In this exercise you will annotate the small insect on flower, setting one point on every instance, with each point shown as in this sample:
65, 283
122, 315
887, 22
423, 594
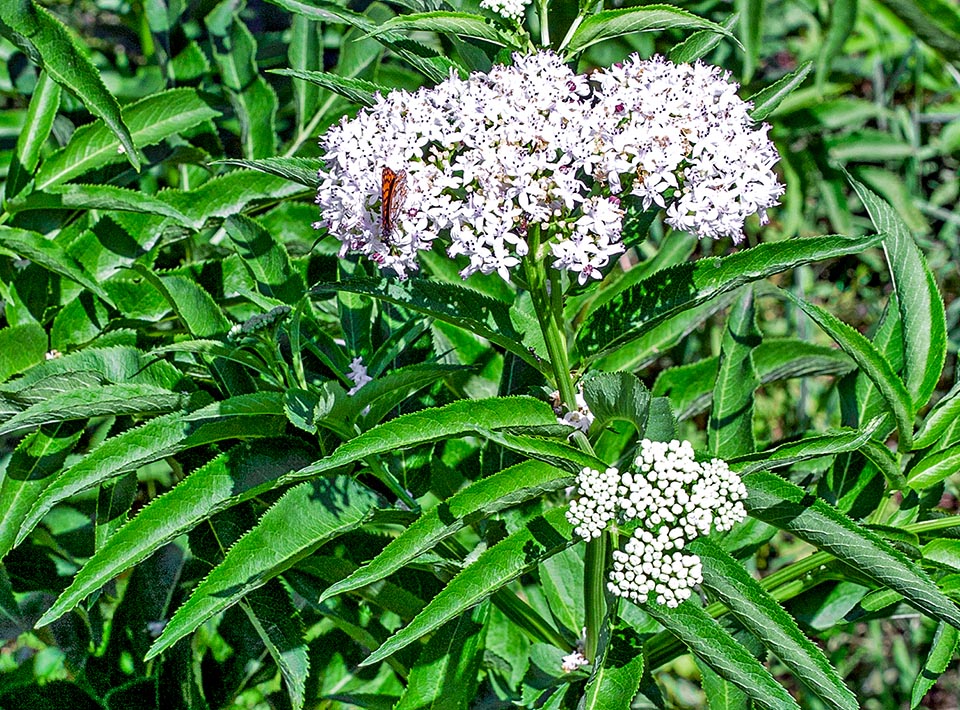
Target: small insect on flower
393, 190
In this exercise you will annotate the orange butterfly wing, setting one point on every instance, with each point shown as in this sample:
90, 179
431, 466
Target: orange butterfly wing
393, 189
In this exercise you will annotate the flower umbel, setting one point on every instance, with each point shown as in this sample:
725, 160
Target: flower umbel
534, 146
673, 499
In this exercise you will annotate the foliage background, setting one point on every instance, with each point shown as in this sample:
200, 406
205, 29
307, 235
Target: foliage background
882, 103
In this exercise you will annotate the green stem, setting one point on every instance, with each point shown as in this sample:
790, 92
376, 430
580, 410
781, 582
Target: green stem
547, 296
544, 23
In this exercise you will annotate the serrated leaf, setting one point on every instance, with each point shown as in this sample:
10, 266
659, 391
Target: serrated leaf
767, 620
243, 417
502, 490
50, 255
302, 171
195, 308
359, 91
266, 259
720, 694
389, 390
150, 120
277, 623
21, 347
789, 507
254, 101
766, 101
462, 307
617, 672
45, 39
730, 429
237, 475
108, 400
943, 551
934, 467
697, 45
614, 23
463, 24
306, 517
495, 568
447, 672
38, 123
871, 363
305, 53
617, 396
95, 197
921, 307
227, 195
636, 310
31, 468
944, 413
946, 639
722, 653
437, 424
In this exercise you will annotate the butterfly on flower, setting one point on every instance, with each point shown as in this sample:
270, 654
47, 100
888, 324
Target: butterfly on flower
393, 190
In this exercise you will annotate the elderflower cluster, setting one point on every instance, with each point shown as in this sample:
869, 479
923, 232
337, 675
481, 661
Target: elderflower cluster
510, 9
534, 155
673, 499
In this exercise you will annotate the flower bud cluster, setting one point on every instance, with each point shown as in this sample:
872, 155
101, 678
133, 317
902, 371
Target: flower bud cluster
358, 375
535, 155
510, 9
674, 499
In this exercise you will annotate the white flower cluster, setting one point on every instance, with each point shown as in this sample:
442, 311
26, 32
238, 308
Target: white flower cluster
674, 499
479, 163
580, 418
510, 9
357, 375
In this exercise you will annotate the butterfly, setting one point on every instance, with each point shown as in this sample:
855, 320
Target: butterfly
393, 190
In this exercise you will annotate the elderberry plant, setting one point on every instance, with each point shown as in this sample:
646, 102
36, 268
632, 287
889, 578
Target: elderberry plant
518, 423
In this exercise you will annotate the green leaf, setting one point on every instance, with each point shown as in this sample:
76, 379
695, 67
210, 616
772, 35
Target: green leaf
244, 417
934, 467
277, 623
921, 307
519, 552
45, 39
150, 119
21, 347
766, 101
751, 32
730, 431
195, 308
721, 695
50, 255
871, 363
614, 23
790, 508
359, 91
478, 501
936, 22
95, 197
299, 170
618, 671
462, 24
722, 653
699, 44
266, 260
107, 400
944, 413
636, 310
843, 18
31, 468
942, 650
305, 53
617, 396
462, 307
437, 424
447, 673
237, 475
254, 101
41, 113
767, 620
227, 195
943, 551
306, 517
